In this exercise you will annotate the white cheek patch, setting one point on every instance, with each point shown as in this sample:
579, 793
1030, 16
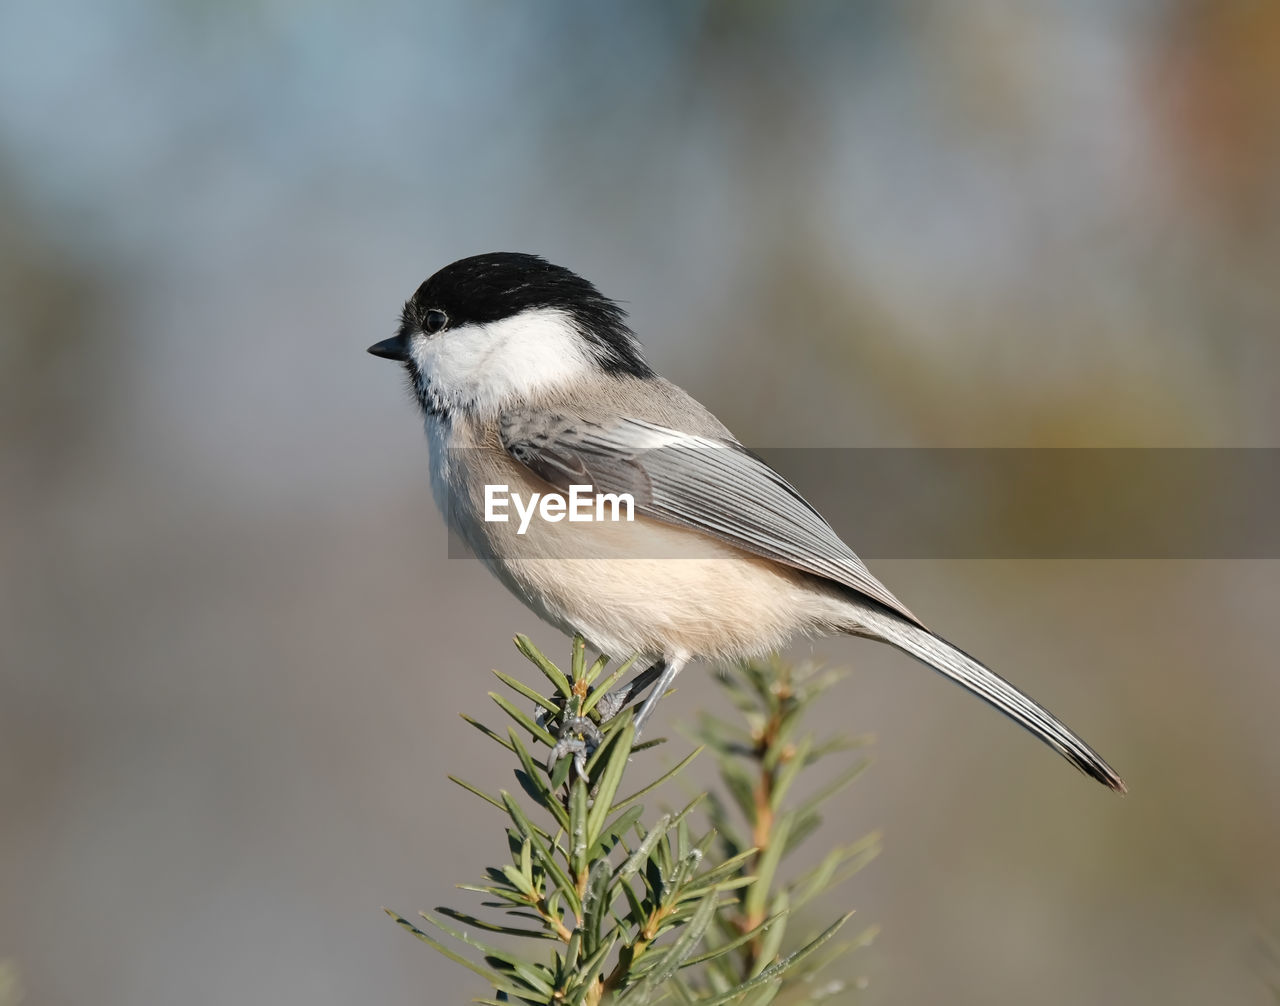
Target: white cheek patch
483, 366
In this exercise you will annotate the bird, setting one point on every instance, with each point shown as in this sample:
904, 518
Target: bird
531, 383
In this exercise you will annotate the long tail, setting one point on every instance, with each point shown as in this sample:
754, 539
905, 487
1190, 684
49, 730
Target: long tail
990, 687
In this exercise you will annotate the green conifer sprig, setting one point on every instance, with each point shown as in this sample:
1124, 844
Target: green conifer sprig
760, 761
601, 904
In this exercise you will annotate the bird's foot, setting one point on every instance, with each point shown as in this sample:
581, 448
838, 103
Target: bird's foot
578, 737
617, 700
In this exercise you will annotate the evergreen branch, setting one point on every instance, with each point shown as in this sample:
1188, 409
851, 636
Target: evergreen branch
604, 908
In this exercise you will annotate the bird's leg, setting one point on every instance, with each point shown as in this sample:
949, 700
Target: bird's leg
579, 736
617, 700
670, 668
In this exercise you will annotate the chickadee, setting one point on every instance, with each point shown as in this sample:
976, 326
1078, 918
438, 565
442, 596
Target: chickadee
529, 378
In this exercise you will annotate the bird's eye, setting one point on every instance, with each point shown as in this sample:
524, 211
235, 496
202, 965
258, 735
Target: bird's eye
436, 321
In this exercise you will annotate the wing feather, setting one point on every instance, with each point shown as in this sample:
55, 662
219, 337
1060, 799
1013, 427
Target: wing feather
709, 484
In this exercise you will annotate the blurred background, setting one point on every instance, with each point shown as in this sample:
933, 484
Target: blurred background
232, 647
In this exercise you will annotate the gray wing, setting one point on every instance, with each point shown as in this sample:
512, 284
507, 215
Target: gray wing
710, 484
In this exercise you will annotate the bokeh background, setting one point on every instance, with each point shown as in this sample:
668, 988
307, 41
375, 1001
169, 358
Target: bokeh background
232, 647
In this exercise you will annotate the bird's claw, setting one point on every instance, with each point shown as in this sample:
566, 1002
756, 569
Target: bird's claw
578, 737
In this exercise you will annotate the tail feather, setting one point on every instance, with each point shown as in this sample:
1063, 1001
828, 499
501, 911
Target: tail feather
993, 689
